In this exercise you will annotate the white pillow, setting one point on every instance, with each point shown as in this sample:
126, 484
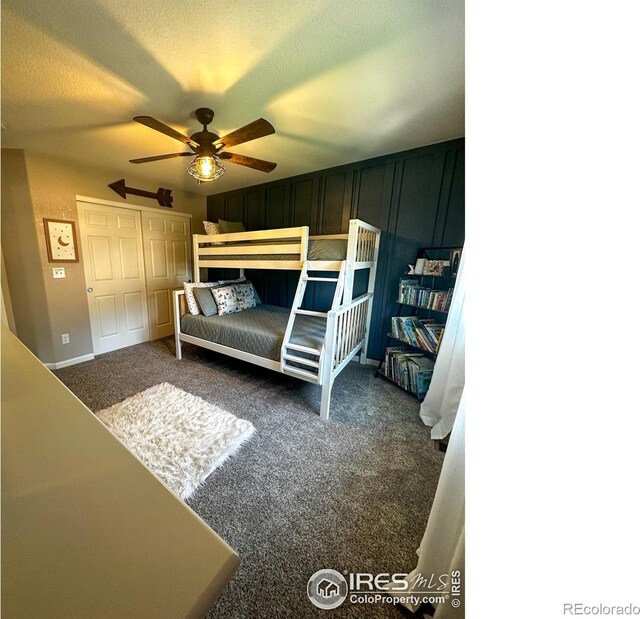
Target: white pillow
192, 304
212, 228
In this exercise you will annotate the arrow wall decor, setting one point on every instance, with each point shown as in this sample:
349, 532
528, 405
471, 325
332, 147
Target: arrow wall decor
163, 196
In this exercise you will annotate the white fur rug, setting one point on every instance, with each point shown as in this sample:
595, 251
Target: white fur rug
179, 436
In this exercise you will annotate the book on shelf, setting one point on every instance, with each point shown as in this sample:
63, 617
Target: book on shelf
422, 372
395, 363
411, 293
418, 332
434, 333
388, 366
407, 290
449, 299
411, 371
410, 333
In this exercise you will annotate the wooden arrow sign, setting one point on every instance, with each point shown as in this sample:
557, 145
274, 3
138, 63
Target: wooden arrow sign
163, 196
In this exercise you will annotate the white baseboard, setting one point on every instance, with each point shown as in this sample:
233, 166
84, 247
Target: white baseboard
68, 362
368, 362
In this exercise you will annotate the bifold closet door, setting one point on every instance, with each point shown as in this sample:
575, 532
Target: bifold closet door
115, 275
167, 254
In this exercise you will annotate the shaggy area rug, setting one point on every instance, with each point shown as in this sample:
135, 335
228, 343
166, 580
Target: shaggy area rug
179, 436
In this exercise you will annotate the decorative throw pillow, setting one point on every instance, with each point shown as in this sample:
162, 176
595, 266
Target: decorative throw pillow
226, 227
192, 304
234, 298
212, 228
255, 294
205, 301
240, 280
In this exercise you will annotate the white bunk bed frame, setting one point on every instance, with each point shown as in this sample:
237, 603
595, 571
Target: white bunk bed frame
348, 319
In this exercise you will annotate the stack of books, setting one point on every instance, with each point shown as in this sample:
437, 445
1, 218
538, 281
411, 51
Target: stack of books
419, 332
411, 371
410, 293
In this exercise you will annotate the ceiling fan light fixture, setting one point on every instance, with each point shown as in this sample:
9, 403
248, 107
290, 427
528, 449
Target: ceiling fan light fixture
206, 146
206, 168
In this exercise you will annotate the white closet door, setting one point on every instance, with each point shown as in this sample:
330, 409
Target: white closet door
167, 253
114, 270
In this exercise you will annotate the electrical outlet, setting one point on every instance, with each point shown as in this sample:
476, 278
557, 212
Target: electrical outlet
65, 338
58, 273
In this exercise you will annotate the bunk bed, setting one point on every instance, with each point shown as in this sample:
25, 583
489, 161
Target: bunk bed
307, 344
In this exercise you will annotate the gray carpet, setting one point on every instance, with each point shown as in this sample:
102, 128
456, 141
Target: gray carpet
351, 494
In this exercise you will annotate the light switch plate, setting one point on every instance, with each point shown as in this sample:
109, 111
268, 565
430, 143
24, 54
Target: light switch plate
58, 273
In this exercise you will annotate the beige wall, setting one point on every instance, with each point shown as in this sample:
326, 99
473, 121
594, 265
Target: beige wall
7, 308
85, 525
35, 186
21, 257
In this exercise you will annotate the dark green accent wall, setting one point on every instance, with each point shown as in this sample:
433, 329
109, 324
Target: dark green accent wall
415, 197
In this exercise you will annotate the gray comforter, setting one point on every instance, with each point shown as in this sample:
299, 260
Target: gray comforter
259, 330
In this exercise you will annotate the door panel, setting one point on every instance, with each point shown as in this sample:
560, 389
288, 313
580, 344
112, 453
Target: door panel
179, 227
130, 258
135, 311
167, 251
97, 220
162, 303
111, 240
127, 222
180, 253
106, 308
155, 224
159, 267
100, 258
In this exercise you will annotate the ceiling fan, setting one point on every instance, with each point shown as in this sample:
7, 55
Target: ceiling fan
209, 148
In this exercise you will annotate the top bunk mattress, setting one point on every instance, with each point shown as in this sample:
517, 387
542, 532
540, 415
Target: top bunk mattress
259, 330
319, 249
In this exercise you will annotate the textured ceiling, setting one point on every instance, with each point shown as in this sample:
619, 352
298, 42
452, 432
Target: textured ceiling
340, 80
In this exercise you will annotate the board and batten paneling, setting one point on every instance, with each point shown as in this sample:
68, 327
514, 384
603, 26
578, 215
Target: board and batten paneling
415, 197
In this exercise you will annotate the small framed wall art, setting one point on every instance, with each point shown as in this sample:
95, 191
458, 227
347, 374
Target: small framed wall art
456, 254
62, 245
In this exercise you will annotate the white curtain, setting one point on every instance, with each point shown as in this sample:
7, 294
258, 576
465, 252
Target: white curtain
441, 402
442, 548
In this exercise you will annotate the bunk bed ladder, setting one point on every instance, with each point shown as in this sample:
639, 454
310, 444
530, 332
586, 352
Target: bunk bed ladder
290, 352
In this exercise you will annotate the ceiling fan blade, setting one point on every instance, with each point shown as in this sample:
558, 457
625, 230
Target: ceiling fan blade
257, 129
249, 162
152, 123
158, 157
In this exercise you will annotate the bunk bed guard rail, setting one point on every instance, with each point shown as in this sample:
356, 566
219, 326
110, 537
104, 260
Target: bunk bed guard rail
346, 334
258, 249
363, 241
251, 249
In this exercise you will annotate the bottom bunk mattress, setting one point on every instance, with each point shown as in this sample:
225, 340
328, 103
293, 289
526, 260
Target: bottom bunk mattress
259, 330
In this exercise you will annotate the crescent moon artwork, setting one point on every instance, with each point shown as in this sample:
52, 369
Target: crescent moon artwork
62, 245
